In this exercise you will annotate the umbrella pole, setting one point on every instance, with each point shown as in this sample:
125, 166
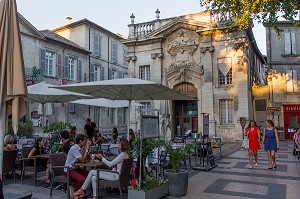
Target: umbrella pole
128, 127
2, 133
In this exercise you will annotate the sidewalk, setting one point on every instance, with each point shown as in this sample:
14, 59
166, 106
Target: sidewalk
230, 180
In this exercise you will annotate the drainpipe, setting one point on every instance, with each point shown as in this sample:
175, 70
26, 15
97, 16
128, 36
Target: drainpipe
212, 80
89, 63
108, 56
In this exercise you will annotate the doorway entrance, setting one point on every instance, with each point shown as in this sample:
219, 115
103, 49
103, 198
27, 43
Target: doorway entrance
186, 112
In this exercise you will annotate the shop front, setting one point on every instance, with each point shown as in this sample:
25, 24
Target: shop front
291, 114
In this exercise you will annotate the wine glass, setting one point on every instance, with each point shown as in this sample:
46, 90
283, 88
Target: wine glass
93, 157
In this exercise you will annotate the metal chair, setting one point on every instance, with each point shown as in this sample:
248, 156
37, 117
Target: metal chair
105, 149
9, 163
123, 178
57, 165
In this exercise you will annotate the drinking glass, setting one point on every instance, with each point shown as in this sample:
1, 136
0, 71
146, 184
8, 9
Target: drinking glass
93, 157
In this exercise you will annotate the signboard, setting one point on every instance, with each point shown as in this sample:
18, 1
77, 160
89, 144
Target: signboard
29, 82
34, 114
149, 126
273, 109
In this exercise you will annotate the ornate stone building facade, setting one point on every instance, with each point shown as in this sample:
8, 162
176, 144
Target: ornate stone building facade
199, 55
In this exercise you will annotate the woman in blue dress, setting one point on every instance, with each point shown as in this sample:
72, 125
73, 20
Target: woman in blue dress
271, 143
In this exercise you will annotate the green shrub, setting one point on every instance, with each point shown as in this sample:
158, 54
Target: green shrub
24, 128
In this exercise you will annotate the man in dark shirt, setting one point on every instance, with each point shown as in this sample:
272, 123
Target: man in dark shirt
88, 130
65, 135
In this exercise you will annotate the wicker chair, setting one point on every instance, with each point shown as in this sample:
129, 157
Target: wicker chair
25, 164
57, 165
9, 163
123, 178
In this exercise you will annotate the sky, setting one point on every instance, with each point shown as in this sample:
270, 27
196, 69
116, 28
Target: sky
113, 15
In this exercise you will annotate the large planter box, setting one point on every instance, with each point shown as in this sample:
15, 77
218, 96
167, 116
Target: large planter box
155, 193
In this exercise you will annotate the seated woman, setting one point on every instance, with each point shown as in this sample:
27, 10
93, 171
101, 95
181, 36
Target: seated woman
97, 138
116, 164
114, 135
39, 149
9, 143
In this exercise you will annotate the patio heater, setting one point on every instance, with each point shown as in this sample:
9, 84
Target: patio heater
243, 123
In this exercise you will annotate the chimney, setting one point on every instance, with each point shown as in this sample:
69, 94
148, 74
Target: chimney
68, 20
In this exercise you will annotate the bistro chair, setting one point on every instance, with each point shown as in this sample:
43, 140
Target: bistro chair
26, 164
57, 165
9, 158
123, 181
105, 149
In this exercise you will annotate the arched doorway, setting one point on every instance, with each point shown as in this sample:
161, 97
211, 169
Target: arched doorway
186, 112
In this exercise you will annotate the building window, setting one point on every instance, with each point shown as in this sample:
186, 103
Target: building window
71, 108
97, 45
50, 63
113, 116
146, 105
226, 111
225, 79
292, 77
145, 72
260, 105
125, 116
124, 57
72, 66
289, 43
96, 68
225, 71
114, 53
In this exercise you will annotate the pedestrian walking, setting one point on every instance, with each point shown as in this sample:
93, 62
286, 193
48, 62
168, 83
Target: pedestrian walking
253, 134
271, 143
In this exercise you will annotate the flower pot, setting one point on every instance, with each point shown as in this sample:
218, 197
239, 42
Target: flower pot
178, 182
155, 193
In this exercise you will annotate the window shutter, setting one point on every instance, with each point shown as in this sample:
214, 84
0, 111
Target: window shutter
289, 80
59, 69
43, 60
66, 67
120, 74
293, 40
287, 43
295, 87
102, 73
96, 45
92, 71
79, 70
110, 74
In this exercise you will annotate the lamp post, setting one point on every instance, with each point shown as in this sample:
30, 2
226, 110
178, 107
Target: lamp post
243, 123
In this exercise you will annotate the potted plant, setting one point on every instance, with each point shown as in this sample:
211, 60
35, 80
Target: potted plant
177, 178
149, 188
54, 130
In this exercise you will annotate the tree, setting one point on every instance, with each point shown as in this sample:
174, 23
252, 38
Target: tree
263, 11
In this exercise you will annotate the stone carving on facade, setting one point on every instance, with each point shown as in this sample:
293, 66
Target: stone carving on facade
182, 76
130, 58
242, 63
181, 46
185, 64
207, 49
157, 55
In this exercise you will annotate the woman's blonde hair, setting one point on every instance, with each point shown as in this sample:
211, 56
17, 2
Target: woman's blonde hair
9, 139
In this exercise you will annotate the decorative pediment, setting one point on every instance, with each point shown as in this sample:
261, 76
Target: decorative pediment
182, 45
191, 65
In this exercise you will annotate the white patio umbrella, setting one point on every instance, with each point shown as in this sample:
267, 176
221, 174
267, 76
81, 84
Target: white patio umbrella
44, 93
126, 89
102, 102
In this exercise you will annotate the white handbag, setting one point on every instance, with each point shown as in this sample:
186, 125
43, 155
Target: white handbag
245, 143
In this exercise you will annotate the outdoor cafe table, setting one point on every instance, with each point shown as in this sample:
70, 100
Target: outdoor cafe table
94, 164
41, 156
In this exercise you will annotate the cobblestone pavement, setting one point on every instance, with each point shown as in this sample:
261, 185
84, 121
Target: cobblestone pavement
230, 180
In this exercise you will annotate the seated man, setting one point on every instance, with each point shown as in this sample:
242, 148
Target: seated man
65, 135
77, 154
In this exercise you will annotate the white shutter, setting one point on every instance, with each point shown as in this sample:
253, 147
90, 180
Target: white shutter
293, 39
295, 87
289, 80
224, 65
287, 43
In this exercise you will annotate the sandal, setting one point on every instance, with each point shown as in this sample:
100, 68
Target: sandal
251, 167
270, 168
78, 194
47, 181
275, 166
92, 198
